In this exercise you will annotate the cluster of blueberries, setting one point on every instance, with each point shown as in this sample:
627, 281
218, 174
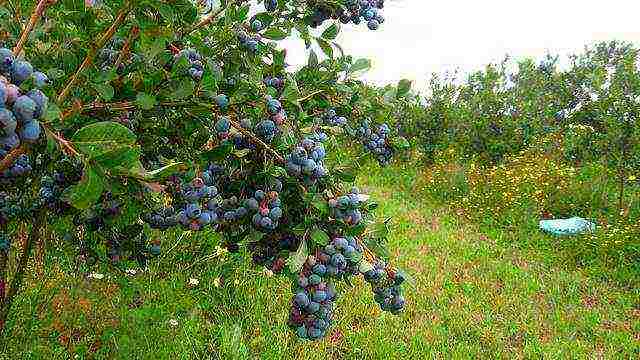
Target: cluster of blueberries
196, 67
347, 207
312, 306
196, 207
52, 187
375, 140
267, 251
274, 81
331, 118
19, 112
5, 242
268, 209
249, 41
306, 162
108, 56
386, 286
355, 12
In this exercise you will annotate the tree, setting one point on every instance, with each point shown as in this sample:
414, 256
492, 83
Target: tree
126, 120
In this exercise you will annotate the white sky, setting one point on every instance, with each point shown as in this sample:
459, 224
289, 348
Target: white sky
420, 37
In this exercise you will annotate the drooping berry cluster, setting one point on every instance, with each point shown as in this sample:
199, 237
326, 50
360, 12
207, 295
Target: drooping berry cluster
19, 112
195, 204
223, 127
108, 56
355, 11
20, 167
196, 68
386, 287
376, 141
330, 118
249, 41
307, 159
268, 209
274, 82
162, 219
340, 258
68, 172
347, 207
97, 218
232, 209
5, 242
311, 312
268, 251
275, 109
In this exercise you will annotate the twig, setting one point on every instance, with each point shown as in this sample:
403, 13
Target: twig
8, 160
307, 97
88, 60
251, 135
127, 46
64, 143
16, 282
35, 16
206, 21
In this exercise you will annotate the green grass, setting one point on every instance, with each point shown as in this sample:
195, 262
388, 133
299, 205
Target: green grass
474, 296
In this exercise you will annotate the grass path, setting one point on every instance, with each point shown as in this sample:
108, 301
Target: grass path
473, 298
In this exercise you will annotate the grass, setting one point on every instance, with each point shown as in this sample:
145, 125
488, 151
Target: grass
475, 296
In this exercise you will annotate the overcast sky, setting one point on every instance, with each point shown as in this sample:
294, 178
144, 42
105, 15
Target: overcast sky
420, 37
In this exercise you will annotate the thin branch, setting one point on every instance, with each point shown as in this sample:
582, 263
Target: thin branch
206, 21
127, 46
64, 143
16, 282
250, 135
11, 157
307, 97
88, 60
35, 16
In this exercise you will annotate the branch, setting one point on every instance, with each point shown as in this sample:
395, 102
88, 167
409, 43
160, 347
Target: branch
16, 282
88, 60
250, 135
307, 97
255, 139
11, 157
64, 143
206, 21
127, 46
35, 16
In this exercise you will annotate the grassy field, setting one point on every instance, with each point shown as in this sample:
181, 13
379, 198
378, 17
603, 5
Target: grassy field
474, 297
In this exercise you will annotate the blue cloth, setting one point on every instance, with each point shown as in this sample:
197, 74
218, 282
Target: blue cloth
572, 226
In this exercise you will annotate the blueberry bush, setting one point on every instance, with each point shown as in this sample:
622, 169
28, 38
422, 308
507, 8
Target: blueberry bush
126, 122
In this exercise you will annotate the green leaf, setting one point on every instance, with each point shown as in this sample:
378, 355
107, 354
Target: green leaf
389, 95
106, 91
326, 47
360, 65
125, 157
87, 191
275, 34
313, 59
96, 139
400, 143
296, 261
218, 153
145, 101
347, 174
331, 32
320, 237
365, 266
404, 86
183, 90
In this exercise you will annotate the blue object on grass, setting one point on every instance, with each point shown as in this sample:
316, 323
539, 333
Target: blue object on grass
571, 226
